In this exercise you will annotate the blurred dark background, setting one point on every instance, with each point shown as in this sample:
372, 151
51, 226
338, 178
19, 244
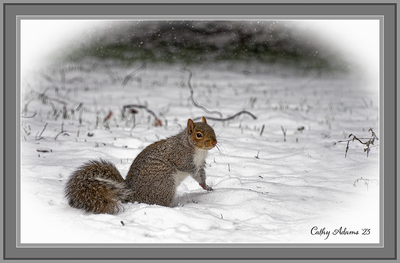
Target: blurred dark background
190, 42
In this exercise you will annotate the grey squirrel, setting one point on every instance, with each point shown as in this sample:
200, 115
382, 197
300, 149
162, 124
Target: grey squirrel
153, 177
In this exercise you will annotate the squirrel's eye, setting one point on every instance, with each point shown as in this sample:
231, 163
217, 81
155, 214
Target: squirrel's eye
199, 135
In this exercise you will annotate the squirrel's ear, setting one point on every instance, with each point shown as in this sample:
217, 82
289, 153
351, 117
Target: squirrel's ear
190, 126
204, 119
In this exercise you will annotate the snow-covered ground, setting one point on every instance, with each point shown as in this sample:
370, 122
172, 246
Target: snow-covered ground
268, 187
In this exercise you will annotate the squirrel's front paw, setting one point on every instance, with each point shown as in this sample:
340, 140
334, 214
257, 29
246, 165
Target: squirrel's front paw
206, 187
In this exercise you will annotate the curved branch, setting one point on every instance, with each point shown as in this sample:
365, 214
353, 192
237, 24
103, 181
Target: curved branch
140, 107
130, 75
191, 97
29, 116
229, 118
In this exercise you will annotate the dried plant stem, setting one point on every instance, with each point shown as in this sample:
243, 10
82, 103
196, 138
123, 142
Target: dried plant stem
61, 132
130, 75
191, 97
262, 129
366, 181
129, 106
228, 118
284, 133
213, 112
40, 135
42, 96
368, 143
29, 116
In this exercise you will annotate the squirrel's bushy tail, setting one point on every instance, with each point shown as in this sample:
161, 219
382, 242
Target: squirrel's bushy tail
97, 187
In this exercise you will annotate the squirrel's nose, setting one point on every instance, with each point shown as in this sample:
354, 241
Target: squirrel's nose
214, 143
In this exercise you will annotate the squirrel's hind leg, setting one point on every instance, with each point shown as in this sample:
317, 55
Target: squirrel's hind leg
153, 186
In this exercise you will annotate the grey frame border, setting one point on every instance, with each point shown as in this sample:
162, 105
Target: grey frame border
12, 251
19, 18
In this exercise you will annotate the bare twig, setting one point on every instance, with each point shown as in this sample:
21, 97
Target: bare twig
284, 133
108, 117
42, 150
43, 97
57, 100
76, 79
354, 139
213, 112
130, 75
262, 129
228, 118
365, 102
61, 132
191, 97
40, 135
47, 77
158, 121
29, 116
366, 181
368, 143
